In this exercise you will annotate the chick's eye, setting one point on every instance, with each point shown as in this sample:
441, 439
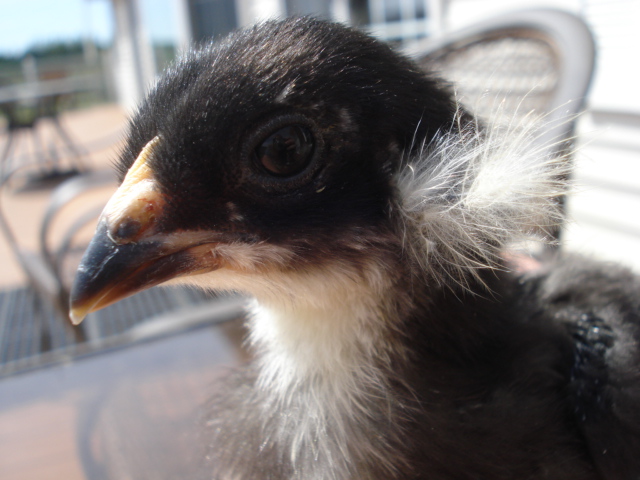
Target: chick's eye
286, 151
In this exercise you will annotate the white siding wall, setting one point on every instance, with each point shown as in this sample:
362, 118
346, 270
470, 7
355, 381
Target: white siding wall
134, 68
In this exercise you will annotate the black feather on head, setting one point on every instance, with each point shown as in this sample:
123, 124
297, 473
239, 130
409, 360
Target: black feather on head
362, 104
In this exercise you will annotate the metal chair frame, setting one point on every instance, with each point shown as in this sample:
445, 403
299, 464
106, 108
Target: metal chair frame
566, 34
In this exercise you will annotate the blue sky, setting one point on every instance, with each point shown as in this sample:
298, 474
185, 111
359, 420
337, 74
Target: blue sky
24, 23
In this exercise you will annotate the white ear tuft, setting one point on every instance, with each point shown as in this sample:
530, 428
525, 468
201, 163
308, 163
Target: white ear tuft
471, 192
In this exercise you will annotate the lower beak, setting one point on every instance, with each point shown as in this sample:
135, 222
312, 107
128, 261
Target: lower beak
110, 272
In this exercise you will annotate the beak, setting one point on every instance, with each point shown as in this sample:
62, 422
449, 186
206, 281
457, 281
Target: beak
127, 254
110, 272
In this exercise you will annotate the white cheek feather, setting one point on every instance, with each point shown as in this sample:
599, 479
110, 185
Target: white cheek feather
306, 322
470, 193
318, 334
312, 319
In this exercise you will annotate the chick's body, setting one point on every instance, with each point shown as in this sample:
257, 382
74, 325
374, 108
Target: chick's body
309, 166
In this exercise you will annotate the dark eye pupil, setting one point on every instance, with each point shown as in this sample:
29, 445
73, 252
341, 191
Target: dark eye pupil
286, 151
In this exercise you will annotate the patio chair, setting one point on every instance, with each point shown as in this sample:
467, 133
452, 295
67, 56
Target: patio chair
530, 67
27, 108
44, 267
532, 63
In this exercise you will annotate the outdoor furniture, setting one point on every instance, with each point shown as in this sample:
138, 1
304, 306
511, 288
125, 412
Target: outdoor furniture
44, 267
132, 412
25, 106
530, 68
534, 64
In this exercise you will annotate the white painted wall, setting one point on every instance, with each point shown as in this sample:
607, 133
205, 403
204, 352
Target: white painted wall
251, 11
134, 67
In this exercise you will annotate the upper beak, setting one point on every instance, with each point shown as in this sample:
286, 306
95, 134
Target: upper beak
110, 272
127, 253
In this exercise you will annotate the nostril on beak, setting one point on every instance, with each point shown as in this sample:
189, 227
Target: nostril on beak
135, 206
126, 231
132, 223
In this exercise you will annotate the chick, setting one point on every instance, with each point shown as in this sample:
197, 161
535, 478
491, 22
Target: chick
311, 167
